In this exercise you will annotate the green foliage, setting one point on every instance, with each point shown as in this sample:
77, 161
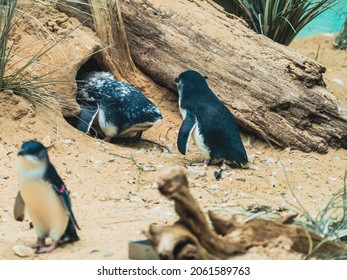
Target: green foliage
15, 69
340, 41
17, 79
7, 11
331, 221
279, 20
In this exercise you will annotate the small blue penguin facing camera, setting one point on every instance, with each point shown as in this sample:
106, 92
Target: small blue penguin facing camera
208, 121
114, 108
46, 197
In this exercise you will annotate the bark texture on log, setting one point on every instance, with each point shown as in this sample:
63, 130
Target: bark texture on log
272, 90
104, 17
192, 238
109, 27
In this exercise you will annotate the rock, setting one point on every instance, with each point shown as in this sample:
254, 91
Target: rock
23, 251
133, 197
269, 161
145, 167
338, 81
47, 142
214, 188
108, 254
3, 176
194, 172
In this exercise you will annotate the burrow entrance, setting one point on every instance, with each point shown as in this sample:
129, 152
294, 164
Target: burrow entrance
81, 122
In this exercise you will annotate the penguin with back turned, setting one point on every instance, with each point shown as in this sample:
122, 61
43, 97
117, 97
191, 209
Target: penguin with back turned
207, 119
46, 198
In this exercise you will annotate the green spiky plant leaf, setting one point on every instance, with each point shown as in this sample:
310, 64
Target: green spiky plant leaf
7, 11
340, 41
15, 69
279, 20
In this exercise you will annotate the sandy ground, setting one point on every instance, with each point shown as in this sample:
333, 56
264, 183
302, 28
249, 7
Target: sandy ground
113, 187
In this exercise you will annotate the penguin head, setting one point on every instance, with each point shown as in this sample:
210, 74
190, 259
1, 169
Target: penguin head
33, 154
190, 79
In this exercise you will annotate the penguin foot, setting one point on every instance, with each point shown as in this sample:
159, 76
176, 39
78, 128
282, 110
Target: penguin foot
39, 244
218, 174
50, 248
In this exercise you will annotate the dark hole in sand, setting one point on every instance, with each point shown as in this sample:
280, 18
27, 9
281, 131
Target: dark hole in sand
87, 109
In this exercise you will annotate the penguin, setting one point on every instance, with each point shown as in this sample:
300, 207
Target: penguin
208, 121
85, 121
43, 193
122, 108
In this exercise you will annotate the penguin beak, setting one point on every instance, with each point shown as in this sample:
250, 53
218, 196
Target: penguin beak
21, 152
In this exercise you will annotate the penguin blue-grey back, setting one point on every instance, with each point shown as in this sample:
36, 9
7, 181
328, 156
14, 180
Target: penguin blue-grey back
46, 197
208, 120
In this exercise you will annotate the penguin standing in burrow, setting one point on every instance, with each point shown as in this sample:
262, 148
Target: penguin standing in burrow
208, 120
121, 109
46, 198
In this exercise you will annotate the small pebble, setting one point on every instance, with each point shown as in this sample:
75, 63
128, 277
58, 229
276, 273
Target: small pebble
23, 251
337, 81
145, 167
108, 254
214, 187
241, 179
195, 172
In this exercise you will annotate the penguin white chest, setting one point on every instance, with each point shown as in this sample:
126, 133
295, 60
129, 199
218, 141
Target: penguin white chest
199, 142
108, 128
45, 208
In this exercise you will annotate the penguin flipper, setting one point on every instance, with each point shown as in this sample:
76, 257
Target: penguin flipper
86, 117
61, 190
19, 207
188, 125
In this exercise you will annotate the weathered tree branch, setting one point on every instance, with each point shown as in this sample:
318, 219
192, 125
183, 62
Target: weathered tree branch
191, 236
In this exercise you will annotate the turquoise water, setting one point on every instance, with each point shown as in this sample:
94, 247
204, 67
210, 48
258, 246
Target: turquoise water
328, 22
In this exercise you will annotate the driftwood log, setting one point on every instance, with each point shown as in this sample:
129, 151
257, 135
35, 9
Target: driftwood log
272, 90
191, 237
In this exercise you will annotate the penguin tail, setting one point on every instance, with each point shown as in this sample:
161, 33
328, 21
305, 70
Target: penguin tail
70, 234
243, 164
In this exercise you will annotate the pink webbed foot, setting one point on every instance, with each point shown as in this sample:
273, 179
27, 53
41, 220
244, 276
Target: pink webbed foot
50, 248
